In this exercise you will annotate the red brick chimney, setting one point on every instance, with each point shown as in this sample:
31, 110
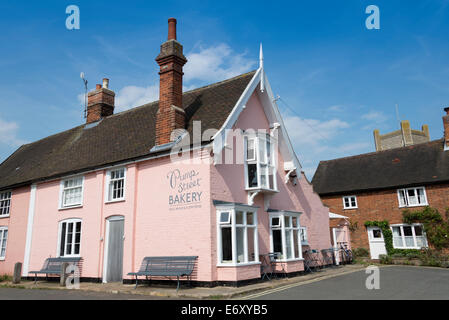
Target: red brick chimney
446, 129
100, 102
171, 115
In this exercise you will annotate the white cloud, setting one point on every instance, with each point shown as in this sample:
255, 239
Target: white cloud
375, 116
304, 132
336, 108
216, 63
133, 96
8, 134
315, 140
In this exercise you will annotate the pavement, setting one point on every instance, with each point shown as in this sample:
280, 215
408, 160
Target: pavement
396, 283
117, 291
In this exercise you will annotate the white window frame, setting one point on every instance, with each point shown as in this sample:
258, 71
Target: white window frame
108, 185
270, 163
2, 240
406, 199
350, 203
232, 213
371, 234
8, 193
283, 228
74, 221
62, 192
303, 231
413, 225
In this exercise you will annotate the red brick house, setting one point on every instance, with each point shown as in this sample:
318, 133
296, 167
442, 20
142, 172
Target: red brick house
381, 185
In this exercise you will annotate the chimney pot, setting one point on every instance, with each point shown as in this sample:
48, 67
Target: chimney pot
98, 87
106, 83
172, 29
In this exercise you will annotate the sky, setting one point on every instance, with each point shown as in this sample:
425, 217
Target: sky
337, 80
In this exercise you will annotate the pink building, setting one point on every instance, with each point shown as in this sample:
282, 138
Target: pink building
228, 188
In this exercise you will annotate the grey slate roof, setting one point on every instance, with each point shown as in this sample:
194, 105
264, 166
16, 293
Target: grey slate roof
421, 164
121, 137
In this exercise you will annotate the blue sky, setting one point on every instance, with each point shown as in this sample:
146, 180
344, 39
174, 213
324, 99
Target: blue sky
341, 80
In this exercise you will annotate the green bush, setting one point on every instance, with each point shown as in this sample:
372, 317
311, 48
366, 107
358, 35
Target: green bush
5, 277
407, 253
385, 259
360, 252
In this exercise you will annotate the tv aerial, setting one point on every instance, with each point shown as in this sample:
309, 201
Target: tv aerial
83, 77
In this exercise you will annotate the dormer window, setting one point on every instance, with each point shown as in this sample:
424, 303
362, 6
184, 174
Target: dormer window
260, 168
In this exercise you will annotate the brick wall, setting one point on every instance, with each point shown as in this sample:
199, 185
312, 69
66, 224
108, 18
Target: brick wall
382, 205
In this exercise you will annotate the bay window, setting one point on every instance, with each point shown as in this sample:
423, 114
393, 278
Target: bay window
412, 197
70, 238
5, 203
3, 241
72, 192
303, 233
286, 235
237, 235
409, 236
260, 167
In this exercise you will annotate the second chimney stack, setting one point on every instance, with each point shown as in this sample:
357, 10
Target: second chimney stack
170, 115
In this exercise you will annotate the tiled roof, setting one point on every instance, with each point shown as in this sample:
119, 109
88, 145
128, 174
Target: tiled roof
420, 164
124, 136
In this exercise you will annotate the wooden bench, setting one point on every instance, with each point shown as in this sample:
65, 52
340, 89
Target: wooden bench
53, 266
166, 267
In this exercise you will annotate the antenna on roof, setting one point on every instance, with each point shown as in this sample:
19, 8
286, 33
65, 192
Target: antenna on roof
82, 76
397, 113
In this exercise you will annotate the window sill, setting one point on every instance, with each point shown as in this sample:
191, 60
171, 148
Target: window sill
4, 217
415, 205
115, 201
71, 207
234, 265
2, 259
409, 248
351, 208
288, 260
263, 190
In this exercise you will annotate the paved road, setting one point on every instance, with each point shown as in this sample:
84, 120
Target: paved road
395, 283
404, 283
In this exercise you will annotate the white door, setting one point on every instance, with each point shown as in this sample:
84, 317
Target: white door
339, 237
376, 242
113, 256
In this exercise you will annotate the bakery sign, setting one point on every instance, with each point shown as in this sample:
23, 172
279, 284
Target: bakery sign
185, 190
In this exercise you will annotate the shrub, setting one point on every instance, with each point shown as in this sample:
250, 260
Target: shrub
360, 252
385, 259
